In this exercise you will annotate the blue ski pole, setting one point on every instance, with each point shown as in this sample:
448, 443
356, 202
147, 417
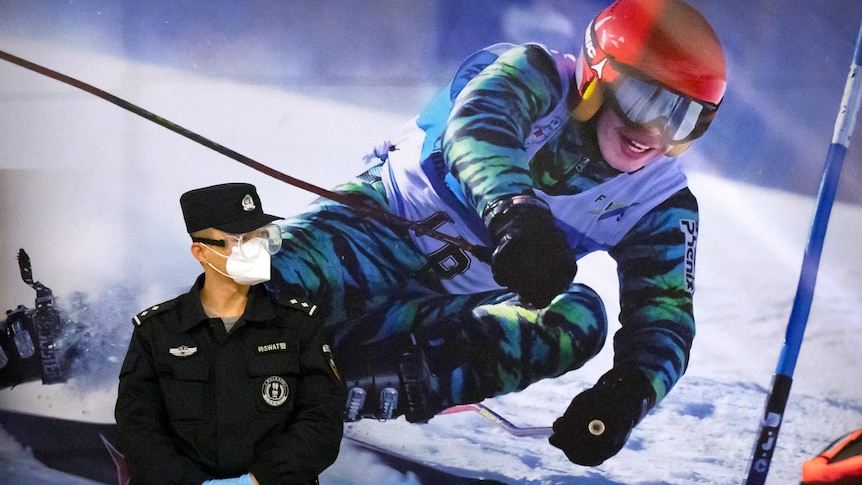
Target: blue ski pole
761, 456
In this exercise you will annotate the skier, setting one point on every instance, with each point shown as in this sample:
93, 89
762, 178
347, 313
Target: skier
542, 157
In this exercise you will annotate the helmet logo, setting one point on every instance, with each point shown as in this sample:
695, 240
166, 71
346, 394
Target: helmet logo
588, 42
248, 203
600, 67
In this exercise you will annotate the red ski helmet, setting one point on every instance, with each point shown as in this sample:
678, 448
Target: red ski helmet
657, 61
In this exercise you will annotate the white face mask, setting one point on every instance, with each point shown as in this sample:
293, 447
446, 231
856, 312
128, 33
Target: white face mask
246, 271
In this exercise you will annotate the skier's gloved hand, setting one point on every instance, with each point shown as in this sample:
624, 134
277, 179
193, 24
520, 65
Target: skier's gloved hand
599, 420
243, 480
531, 257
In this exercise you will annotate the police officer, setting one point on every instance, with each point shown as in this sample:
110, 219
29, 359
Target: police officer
223, 384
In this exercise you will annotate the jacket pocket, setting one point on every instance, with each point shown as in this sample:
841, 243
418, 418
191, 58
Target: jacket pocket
273, 379
185, 383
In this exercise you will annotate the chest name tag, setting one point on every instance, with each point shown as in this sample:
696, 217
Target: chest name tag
262, 349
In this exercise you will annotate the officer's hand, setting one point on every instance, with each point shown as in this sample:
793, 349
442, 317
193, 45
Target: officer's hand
598, 422
531, 255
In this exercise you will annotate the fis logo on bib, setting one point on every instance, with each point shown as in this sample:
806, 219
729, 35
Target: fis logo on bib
613, 210
689, 229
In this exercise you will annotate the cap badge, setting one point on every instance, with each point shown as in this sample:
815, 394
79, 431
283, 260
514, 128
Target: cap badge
248, 203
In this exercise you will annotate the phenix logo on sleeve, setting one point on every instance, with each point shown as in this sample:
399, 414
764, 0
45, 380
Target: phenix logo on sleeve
689, 229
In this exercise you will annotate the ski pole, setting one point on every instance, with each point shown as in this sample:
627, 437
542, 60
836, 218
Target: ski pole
764, 446
482, 253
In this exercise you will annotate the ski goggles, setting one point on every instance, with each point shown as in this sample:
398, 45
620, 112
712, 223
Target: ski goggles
681, 118
250, 244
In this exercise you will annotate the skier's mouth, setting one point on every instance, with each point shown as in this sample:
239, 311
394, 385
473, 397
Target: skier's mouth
637, 147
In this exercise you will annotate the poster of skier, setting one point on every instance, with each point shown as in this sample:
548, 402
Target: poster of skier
480, 324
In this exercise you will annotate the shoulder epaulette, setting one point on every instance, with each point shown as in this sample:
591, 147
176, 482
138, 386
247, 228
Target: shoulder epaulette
300, 305
140, 318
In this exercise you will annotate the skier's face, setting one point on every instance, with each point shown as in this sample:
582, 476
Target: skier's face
626, 146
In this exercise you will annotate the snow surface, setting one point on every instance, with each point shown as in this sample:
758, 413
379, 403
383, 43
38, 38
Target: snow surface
61, 165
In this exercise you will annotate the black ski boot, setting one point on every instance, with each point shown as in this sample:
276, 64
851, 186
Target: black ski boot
386, 380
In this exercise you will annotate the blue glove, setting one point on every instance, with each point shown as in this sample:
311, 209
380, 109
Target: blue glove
531, 257
599, 420
243, 480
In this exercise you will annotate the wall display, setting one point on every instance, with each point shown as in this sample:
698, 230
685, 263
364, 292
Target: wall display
91, 232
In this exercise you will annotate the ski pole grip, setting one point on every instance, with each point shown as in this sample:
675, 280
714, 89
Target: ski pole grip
596, 427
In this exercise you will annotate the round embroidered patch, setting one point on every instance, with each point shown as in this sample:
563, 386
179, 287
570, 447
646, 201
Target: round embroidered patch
274, 391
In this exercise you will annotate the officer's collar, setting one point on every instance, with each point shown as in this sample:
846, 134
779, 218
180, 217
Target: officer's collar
258, 308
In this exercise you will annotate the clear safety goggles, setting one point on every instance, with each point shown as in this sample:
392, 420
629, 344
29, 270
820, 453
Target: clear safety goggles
681, 118
250, 244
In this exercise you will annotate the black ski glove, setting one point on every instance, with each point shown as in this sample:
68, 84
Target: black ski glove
599, 420
531, 257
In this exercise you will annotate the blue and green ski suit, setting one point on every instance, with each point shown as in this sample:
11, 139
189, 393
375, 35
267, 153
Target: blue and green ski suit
501, 127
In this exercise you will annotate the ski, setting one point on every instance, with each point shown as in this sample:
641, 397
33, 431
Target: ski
501, 422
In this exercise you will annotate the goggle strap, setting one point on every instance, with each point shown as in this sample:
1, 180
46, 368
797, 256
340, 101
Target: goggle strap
212, 242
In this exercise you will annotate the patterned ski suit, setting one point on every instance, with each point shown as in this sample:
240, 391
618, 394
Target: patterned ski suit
496, 131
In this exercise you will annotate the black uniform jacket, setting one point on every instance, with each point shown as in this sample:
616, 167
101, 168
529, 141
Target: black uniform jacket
196, 403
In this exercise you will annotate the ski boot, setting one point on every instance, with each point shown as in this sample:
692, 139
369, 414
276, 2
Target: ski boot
385, 381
